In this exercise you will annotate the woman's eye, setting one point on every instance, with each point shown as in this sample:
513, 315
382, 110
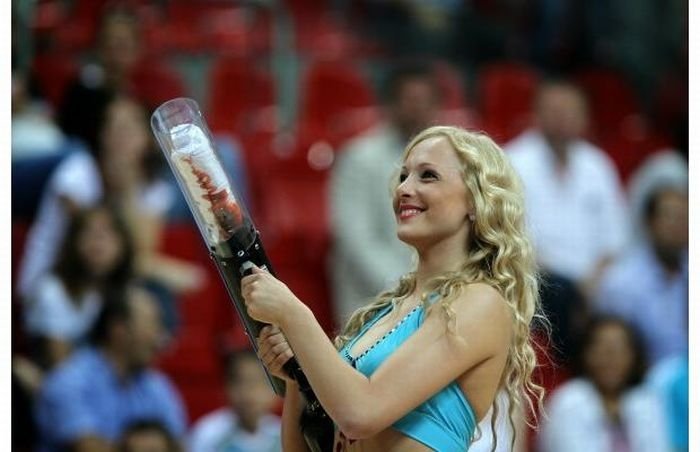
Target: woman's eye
427, 174
402, 177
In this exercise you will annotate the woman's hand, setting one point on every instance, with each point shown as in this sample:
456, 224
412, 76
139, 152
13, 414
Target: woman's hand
274, 351
267, 299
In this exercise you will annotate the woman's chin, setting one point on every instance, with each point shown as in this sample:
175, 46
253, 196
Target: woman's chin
408, 237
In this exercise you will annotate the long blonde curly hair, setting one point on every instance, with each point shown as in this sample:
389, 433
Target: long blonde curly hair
499, 253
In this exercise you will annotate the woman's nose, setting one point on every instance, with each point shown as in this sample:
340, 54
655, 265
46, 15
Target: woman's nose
405, 188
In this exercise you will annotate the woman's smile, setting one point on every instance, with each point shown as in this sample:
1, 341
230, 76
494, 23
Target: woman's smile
408, 211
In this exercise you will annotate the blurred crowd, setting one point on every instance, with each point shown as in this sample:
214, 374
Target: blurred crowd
123, 335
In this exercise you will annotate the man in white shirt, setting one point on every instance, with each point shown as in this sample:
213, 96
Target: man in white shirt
648, 285
247, 425
367, 255
575, 203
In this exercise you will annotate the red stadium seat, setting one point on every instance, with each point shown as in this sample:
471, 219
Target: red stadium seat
506, 92
193, 359
237, 91
154, 82
294, 224
611, 100
54, 73
192, 351
451, 84
293, 201
184, 19
322, 36
454, 109
671, 100
337, 102
48, 16
633, 143
201, 395
215, 25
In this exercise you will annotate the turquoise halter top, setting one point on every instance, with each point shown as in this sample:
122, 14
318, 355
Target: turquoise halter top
445, 422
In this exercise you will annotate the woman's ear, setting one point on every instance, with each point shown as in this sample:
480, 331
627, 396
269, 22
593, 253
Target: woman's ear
471, 211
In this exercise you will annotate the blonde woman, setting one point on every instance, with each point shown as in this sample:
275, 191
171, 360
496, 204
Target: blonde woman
420, 366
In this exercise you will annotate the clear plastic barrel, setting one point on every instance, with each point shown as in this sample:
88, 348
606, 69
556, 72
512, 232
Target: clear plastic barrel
184, 138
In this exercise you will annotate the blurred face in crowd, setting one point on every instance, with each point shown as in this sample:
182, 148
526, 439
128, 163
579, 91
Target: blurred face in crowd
146, 441
415, 105
119, 44
99, 244
668, 224
609, 357
19, 92
125, 135
248, 390
561, 114
145, 331
431, 201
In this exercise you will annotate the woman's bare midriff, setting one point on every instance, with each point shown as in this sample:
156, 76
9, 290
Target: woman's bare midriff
389, 440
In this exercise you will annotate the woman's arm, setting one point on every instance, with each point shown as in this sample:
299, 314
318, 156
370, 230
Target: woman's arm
274, 352
428, 361
146, 230
57, 350
292, 438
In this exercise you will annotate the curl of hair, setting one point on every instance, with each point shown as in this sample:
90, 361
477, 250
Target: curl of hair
499, 253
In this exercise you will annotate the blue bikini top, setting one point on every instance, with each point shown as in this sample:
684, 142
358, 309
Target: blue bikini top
445, 422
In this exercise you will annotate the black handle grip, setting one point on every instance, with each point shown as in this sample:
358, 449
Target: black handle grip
316, 426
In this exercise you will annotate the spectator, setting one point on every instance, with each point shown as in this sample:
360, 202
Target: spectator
88, 402
573, 194
649, 284
246, 425
123, 173
606, 409
567, 313
667, 167
37, 146
63, 305
118, 50
129, 166
122, 68
367, 255
33, 132
670, 379
148, 436
23, 429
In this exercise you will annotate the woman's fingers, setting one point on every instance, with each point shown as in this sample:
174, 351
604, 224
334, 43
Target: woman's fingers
273, 348
248, 283
269, 353
282, 358
268, 331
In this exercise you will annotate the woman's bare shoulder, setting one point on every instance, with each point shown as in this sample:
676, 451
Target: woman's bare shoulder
480, 304
482, 296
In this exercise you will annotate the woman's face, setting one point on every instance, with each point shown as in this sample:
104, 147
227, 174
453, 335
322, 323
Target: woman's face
125, 135
431, 201
248, 390
99, 244
119, 46
609, 357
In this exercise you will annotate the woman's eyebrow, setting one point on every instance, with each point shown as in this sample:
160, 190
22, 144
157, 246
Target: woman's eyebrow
421, 165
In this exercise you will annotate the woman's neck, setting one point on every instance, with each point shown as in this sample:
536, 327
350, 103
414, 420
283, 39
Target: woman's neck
436, 260
611, 403
118, 362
